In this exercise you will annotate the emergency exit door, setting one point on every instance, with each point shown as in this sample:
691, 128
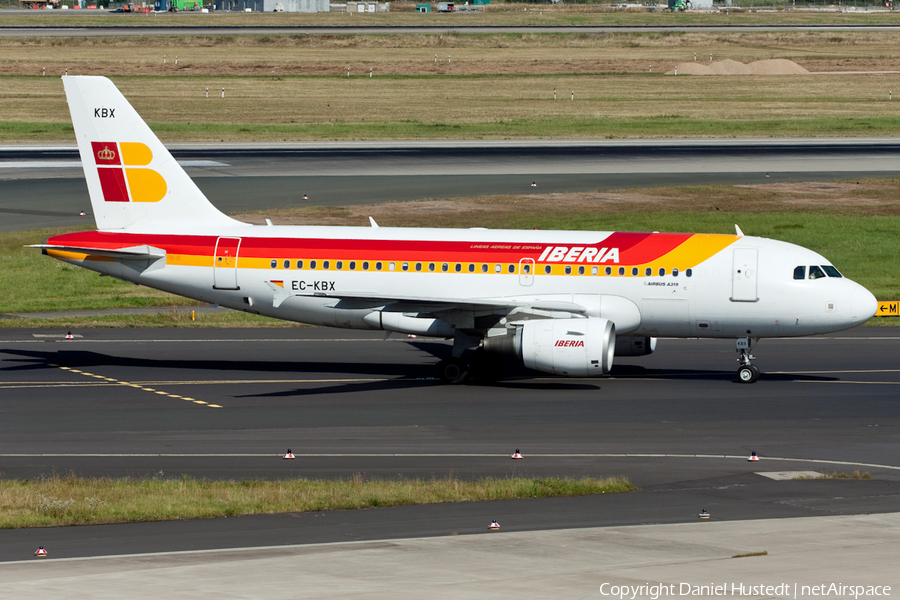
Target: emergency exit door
744, 275
526, 271
225, 263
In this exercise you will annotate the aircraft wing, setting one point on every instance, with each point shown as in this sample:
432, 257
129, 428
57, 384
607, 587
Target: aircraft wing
430, 304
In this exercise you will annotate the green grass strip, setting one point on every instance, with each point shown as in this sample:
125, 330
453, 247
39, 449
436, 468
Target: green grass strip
56, 501
557, 127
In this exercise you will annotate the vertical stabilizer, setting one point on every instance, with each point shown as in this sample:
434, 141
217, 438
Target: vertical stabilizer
132, 179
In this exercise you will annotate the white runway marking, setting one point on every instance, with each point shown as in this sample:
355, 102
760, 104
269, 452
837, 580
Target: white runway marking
762, 459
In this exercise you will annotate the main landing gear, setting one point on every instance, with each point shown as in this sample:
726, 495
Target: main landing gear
746, 373
453, 370
469, 361
457, 368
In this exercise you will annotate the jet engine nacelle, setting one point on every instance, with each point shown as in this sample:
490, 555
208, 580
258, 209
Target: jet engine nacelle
570, 347
635, 345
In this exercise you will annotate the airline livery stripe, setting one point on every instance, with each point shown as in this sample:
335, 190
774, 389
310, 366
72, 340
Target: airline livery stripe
693, 251
623, 249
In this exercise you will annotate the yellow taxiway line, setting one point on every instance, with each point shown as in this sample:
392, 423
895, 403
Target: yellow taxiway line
111, 381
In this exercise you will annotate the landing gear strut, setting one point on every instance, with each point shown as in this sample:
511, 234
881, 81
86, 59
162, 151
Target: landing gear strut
746, 373
456, 369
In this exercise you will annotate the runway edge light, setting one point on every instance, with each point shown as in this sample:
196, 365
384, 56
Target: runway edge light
494, 526
40, 552
753, 457
516, 455
289, 455
69, 336
703, 514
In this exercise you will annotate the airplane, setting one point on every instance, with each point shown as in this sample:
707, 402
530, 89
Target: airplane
562, 302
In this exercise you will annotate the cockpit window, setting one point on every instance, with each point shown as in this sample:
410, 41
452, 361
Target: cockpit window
800, 272
831, 271
816, 272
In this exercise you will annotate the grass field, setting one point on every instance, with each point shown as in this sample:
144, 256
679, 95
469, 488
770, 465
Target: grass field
59, 501
289, 87
261, 109
855, 224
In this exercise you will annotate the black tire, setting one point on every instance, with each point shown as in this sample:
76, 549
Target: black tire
453, 371
748, 374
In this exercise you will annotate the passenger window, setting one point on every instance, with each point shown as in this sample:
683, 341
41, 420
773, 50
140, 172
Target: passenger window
299, 264
568, 270
378, 266
662, 272
471, 268
392, 266
405, 266
512, 268
674, 272
608, 271
352, 265
339, 265
800, 272
648, 271
815, 272
526, 269
457, 268
498, 268
594, 270
325, 264
287, 264
445, 267
831, 271
547, 269
274, 264
581, 270
365, 265
484, 268
418, 266
431, 267
312, 264
621, 271
634, 271
688, 273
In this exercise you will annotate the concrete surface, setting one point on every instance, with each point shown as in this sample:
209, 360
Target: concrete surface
859, 550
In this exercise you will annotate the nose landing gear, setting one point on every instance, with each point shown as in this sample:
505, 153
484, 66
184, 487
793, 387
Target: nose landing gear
746, 373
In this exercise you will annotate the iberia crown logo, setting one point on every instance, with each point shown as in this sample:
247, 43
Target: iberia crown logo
128, 179
106, 154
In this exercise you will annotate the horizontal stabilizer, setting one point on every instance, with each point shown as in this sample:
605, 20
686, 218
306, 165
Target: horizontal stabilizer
131, 253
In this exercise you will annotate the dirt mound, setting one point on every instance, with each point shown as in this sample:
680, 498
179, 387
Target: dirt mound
729, 67
776, 66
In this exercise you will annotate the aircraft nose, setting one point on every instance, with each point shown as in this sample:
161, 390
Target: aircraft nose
863, 305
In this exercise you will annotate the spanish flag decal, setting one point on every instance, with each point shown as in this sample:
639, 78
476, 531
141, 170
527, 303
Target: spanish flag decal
124, 176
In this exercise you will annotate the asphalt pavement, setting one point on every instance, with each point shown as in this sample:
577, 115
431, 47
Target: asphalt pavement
228, 403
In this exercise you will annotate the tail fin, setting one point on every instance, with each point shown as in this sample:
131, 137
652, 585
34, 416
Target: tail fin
132, 179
